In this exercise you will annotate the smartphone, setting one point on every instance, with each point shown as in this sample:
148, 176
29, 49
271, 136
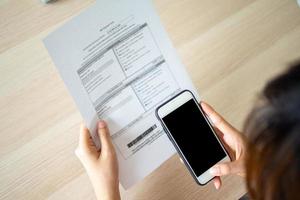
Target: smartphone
194, 138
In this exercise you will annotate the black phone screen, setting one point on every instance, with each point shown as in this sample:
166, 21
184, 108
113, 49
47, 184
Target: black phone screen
194, 137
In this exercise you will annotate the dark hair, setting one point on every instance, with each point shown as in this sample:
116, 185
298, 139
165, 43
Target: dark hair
273, 148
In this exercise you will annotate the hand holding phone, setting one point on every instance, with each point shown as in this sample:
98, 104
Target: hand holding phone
192, 135
234, 142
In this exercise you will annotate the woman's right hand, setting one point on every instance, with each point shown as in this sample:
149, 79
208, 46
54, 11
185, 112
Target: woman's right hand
233, 141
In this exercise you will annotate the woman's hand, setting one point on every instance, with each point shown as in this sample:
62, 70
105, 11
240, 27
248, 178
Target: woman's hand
233, 141
101, 166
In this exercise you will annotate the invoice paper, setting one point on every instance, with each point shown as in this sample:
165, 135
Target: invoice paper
119, 65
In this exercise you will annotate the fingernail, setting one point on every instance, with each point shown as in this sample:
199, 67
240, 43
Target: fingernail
214, 170
213, 119
181, 160
77, 152
101, 124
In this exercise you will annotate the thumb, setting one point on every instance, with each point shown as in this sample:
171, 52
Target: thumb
225, 168
104, 135
84, 140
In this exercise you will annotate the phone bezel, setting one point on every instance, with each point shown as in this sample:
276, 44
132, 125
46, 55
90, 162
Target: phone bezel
205, 177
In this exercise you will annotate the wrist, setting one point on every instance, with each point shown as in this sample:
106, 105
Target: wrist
112, 194
106, 190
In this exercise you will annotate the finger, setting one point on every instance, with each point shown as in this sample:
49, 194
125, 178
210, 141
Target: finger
219, 133
105, 139
226, 168
218, 120
217, 182
84, 138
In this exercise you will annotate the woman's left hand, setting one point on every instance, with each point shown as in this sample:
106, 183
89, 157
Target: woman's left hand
101, 166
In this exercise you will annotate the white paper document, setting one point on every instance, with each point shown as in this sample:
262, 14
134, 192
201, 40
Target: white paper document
119, 65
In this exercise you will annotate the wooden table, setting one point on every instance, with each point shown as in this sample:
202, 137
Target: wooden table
230, 49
